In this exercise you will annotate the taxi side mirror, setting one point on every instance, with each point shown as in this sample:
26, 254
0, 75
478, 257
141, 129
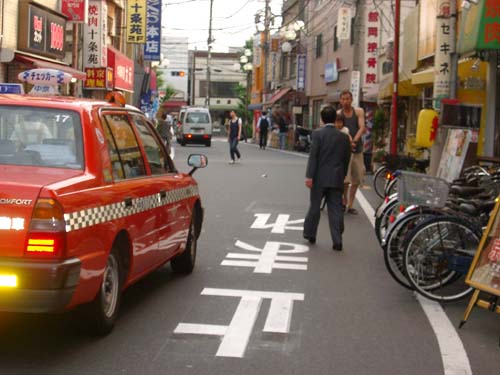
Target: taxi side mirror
197, 161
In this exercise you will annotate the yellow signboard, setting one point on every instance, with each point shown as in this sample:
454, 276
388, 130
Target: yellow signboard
484, 273
136, 21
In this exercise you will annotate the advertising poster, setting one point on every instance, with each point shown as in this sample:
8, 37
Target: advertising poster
484, 273
453, 156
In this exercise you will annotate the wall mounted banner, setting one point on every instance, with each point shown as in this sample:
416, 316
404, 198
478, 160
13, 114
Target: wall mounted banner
94, 35
136, 21
153, 31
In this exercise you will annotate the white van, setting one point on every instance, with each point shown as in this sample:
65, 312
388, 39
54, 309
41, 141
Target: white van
195, 127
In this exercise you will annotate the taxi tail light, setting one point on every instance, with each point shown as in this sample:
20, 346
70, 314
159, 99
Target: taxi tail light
206, 136
47, 234
189, 136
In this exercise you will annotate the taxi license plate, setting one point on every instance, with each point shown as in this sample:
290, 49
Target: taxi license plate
8, 281
198, 130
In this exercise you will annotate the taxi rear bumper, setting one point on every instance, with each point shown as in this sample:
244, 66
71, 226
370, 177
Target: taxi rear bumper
41, 286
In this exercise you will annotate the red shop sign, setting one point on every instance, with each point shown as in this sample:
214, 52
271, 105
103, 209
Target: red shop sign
75, 10
123, 69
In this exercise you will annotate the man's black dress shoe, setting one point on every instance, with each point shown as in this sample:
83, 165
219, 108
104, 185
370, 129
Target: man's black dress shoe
312, 240
337, 247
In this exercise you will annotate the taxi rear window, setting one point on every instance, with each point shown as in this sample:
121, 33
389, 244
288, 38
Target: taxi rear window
40, 137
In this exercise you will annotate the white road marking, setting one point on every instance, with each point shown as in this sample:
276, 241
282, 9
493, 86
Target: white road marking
281, 225
269, 257
453, 354
237, 334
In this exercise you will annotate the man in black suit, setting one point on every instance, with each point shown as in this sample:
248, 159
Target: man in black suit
326, 169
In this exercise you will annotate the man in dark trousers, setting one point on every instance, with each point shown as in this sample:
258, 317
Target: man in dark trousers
326, 169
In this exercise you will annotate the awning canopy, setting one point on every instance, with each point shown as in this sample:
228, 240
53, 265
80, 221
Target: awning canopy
49, 64
405, 88
277, 96
171, 104
424, 77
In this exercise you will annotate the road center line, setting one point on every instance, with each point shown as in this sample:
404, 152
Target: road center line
453, 354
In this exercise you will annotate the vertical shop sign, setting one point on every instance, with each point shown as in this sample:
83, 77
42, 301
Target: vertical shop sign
442, 61
344, 24
75, 10
136, 21
372, 40
301, 72
94, 35
355, 85
256, 51
153, 31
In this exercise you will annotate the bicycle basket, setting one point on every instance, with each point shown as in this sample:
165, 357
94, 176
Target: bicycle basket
421, 189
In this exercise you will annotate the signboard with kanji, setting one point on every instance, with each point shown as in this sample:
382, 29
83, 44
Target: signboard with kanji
344, 23
301, 72
136, 21
94, 35
153, 31
372, 41
99, 79
442, 59
42, 31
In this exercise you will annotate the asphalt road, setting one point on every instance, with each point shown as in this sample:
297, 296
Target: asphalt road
261, 299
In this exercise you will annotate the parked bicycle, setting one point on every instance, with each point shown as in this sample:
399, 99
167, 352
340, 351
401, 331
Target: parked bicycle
428, 246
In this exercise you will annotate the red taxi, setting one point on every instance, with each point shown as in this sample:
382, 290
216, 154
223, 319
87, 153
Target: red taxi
90, 202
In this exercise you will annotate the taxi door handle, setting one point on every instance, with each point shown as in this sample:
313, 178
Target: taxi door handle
128, 202
163, 194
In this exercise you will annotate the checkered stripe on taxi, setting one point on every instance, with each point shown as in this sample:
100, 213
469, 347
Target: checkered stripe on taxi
102, 214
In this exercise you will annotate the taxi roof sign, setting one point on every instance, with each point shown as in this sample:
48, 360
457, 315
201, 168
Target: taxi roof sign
45, 81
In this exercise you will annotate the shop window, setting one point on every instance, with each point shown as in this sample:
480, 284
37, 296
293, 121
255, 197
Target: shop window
319, 45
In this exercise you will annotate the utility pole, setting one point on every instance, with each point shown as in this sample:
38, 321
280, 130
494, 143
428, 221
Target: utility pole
267, 22
209, 56
395, 80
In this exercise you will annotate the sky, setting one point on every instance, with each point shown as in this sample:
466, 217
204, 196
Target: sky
233, 21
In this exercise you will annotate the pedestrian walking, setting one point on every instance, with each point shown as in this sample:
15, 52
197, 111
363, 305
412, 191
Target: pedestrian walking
164, 128
283, 130
326, 170
234, 136
339, 124
263, 125
354, 120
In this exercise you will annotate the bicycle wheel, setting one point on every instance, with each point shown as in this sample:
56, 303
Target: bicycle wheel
437, 256
393, 242
391, 186
382, 221
379, 179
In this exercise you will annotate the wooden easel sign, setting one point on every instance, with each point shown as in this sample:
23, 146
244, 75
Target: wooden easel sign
484, 273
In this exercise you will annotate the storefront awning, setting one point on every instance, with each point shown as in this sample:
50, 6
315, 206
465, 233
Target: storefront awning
405, 88
37, 62
171, 104
423, 77
277, 96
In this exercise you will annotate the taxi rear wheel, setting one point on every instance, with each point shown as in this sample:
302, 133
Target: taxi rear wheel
184, 262
104, 308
